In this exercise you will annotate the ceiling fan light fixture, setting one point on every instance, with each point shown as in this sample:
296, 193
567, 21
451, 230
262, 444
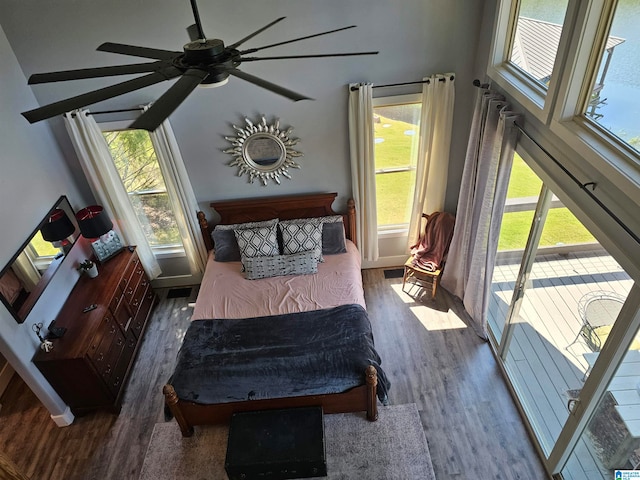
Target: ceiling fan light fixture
214, 84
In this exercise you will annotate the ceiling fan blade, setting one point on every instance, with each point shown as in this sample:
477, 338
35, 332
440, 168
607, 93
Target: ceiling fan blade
170, 100
250, 36
96, 96
134, 51
320, 55
192, 31
65, 75
199, 32
266, 84
252, 50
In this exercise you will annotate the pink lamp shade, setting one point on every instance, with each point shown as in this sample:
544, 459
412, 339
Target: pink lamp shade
57, 227
93, 221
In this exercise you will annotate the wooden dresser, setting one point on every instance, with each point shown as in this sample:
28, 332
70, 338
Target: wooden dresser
90, 364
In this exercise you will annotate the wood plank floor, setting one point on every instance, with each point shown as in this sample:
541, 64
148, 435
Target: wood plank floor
433, 359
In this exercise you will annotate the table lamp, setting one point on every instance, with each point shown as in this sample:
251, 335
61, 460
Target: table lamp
96, 226
57, 229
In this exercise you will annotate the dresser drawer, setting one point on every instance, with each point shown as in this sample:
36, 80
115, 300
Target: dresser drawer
138, 296
122, 316
108, 370
123, 363
134, 279
148, 297
102, 341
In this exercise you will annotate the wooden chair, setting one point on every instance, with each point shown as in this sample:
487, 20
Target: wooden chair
421, 277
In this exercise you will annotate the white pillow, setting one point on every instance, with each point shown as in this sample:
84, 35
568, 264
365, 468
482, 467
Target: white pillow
303, 263
257, 242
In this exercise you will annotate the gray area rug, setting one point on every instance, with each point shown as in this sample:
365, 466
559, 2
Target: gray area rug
392, 448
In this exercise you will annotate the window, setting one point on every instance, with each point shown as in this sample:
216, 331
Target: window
614, 102
397, 132
535, 40
136, 162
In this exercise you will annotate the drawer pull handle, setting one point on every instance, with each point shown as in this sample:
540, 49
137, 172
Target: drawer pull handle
100, 357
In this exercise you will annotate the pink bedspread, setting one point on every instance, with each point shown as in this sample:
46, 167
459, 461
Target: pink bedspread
225, 293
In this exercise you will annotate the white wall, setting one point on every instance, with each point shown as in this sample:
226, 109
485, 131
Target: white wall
34, 175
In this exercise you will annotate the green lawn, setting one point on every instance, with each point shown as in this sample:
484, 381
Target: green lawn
395, 191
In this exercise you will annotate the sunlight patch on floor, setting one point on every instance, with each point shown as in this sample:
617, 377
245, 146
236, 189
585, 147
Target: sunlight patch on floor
434, 320
402, 295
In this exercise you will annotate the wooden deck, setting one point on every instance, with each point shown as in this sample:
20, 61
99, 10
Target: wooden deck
542, 361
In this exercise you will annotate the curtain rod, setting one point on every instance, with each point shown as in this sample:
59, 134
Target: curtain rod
588, 187
136, 109
452, 77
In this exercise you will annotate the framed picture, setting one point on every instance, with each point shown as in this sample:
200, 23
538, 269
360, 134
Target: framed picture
107, 246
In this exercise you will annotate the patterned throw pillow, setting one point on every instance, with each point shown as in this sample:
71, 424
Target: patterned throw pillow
303, 263
300, 237
225, 243
333, 239
257, 242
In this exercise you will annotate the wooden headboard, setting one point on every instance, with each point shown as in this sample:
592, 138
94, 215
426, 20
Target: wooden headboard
285, 208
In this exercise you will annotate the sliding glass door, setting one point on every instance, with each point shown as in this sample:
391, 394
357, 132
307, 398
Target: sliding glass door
557, 296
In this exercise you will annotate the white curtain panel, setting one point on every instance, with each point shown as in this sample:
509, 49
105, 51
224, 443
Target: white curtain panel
483, 192
363, 168
97, 164
438, 97
181, 195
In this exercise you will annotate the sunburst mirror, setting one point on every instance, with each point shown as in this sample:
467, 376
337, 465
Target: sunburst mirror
263, 151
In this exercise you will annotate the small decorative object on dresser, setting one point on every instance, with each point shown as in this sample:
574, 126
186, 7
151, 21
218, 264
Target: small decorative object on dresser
88, 267
45, 345
104, 319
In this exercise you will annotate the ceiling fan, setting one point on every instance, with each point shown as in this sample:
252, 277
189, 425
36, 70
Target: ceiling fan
203, 61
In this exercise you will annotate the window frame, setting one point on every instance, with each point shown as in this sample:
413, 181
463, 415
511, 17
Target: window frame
159, 251
610, 155
398, 229
514, 81
584, 35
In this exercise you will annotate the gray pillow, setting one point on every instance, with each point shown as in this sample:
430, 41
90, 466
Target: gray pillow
303, 263
333, 239
225, 243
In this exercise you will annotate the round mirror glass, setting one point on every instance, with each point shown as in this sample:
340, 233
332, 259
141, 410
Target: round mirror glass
264, 150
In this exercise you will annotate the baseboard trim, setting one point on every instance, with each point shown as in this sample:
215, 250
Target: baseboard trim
385, 262
65, 419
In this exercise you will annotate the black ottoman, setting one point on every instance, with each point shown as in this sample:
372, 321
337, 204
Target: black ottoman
276, 444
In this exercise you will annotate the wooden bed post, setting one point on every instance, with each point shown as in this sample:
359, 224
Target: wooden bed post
171, 399
372, 384
351, 220
204, 228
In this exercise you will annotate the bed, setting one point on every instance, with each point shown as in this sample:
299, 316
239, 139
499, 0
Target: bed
279, 342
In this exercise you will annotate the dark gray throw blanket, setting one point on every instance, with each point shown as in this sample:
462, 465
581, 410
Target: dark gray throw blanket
307, 353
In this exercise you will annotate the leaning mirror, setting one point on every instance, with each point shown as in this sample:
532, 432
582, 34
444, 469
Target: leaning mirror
25, 277
263, 151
